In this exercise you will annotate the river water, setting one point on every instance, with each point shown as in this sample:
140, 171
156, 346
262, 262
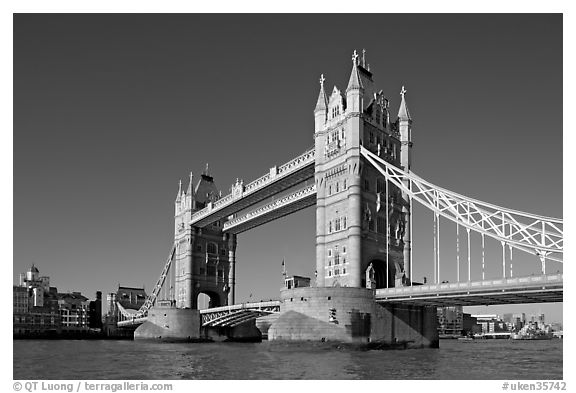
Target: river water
106, 359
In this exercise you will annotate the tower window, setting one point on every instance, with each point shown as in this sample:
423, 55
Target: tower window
330, 226
337, 187
371, 137
366, 185
211, 248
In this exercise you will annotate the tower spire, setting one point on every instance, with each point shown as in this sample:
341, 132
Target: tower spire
403, 112
179, 196
322, 103
190, 186
354, 82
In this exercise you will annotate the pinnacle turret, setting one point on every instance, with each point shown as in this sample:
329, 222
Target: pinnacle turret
403, 112
355, 82
179, 196
322, 103
190, 186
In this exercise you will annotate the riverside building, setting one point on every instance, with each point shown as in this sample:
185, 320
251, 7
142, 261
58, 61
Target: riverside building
40, 311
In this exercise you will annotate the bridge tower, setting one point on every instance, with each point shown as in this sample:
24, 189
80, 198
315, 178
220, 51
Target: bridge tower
204, 257
362, 239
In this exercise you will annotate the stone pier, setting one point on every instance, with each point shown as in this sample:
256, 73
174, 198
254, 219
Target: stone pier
351, 315
170, 324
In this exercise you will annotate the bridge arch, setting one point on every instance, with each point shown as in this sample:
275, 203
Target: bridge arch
208, 299
379, 267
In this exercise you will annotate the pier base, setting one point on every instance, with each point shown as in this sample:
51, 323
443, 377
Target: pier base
170, 324
351, 315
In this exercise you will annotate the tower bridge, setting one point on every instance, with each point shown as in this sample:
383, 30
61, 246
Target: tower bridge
359, 178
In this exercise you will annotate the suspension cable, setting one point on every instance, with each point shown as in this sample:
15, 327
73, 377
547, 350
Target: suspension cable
457, 252
435, 262
387, 236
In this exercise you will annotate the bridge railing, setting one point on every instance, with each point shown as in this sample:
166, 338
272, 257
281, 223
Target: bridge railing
472, 285
283, 170
235, 307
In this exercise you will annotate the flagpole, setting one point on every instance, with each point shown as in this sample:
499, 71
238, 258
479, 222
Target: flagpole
284, 271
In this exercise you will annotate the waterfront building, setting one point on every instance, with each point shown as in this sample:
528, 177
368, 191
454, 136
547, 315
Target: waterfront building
491, 323
131, 298
450, 320
470, 324
39, 310
95, 312
73, 308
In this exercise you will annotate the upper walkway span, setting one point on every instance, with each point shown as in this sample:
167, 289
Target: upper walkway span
243, 196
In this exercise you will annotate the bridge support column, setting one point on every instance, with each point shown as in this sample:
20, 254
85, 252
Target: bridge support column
232, 242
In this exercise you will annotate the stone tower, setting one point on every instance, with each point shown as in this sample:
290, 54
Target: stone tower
361, 223
204, 258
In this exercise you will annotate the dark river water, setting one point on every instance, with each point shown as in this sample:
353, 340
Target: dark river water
480, 359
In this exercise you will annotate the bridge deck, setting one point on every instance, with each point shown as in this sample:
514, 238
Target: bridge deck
532, 289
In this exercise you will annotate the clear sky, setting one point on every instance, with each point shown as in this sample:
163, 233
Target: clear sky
110, 111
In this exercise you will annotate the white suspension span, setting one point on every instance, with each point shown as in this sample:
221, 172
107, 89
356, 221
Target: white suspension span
151, 299
538, 235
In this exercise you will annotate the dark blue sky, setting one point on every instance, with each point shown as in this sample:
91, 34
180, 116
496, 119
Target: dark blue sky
110, 111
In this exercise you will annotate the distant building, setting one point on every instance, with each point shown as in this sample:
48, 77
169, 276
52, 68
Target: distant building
131, 299
73, 309
491, 323
95, 312
450, 321
518, 322
470, 325
39, 310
